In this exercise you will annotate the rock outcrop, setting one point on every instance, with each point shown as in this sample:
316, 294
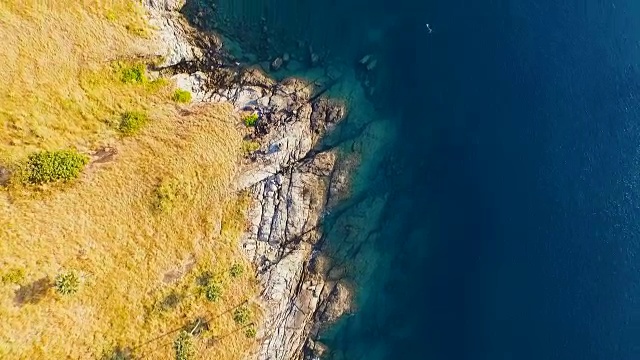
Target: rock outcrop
289, 177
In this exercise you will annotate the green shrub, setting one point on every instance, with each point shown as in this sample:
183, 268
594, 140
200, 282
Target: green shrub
242, 315
250, 146
251, 120
213, 292
236, 270
49, 166
250, 332
182, 96
133, 74
183, 346
132, 121
13, 276
67, 283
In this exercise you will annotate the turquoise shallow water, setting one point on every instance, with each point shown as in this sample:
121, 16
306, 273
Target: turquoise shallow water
496, 213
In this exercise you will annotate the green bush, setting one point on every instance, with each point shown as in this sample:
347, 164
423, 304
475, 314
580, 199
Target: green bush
49, 166
213, 292
133, 74
132, 121
13, 276
67, 283
242, 315
183, 346
250, 332
236, 270
182, 96
251, 120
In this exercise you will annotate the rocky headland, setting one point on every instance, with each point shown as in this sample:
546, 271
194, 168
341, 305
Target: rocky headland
292, 179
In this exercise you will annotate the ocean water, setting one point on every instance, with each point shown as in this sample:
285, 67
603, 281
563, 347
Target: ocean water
496, 211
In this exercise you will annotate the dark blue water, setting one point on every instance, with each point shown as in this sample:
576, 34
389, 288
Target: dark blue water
529, 186
512, 225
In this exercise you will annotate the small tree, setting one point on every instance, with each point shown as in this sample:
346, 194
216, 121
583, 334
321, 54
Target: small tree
242, 315
213, 292
183, 346
67, 283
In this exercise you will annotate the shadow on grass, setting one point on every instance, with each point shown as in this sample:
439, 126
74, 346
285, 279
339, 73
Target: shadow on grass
33, 293
119, 353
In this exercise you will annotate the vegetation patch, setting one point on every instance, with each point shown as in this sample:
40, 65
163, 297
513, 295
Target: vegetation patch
13, 276
50, 166
132, 121
67, 283
251, 120
182, 96
183, 346
166, 195
250, 146
242, 315
213, 292
133, 74
236, 270
250, 332
63, 90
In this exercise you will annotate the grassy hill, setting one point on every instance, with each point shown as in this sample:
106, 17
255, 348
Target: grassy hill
118, 223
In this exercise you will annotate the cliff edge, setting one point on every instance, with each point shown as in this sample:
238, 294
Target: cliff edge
289, 178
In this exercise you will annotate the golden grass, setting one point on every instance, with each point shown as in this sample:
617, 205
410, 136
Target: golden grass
53, 55
140, 229
108, 228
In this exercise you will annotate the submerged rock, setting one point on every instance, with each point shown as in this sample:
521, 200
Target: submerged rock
277, 64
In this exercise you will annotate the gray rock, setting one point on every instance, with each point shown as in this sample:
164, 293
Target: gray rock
276, 64
289, 185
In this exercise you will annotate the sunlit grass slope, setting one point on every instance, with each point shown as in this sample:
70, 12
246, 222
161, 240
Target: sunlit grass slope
142, 245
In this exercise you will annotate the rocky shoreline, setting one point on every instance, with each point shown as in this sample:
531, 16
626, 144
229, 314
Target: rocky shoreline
291, 181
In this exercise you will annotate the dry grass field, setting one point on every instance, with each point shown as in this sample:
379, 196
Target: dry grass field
148, 231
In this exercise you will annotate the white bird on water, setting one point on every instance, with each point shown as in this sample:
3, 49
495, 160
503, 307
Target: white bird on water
429, 27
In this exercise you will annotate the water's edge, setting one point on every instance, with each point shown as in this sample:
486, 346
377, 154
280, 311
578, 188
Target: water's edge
297, 180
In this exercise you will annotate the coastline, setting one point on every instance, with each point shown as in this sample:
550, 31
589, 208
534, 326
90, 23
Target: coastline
290, 181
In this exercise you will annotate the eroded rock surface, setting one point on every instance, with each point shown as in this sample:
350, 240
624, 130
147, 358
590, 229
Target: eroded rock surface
289, 178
